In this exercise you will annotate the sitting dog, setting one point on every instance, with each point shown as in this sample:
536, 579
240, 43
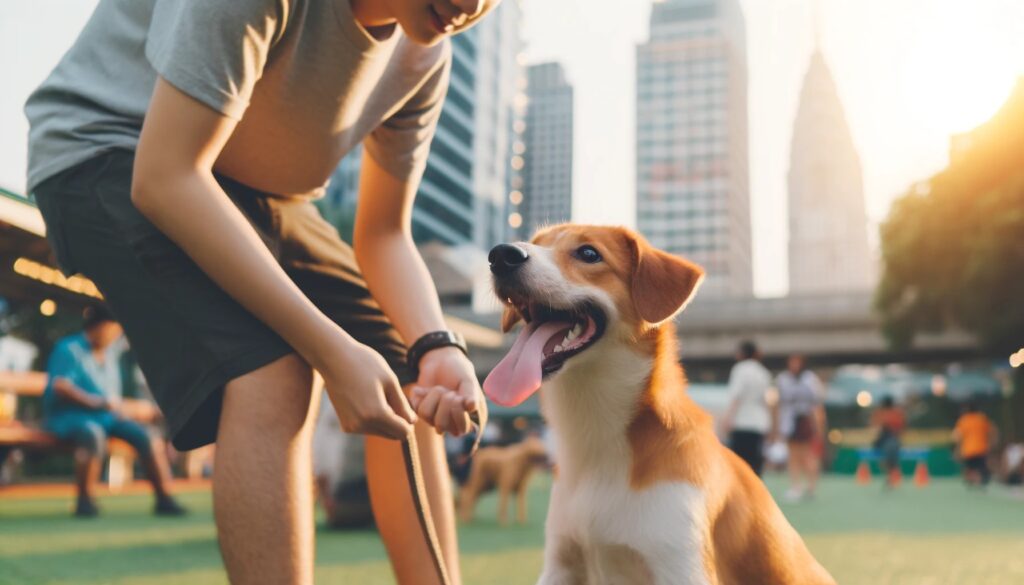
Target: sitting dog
646, 493
506, 468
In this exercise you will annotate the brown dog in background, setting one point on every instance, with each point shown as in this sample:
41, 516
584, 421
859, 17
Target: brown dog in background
507, 469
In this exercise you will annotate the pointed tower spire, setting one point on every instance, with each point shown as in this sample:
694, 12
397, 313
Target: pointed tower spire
828, 226
816, 24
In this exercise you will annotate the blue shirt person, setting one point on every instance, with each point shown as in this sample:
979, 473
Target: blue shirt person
81, 403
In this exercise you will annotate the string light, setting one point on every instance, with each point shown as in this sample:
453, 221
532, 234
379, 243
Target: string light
47, 308
47, 275
864, 399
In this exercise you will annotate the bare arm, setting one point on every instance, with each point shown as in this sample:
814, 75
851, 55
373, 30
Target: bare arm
174, 187
773, 434
67, 391
400, 282
387, 256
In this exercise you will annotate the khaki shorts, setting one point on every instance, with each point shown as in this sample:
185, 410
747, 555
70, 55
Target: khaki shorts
190, 338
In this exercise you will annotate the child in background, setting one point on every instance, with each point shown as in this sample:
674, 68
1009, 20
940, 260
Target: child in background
974, 435
889, 422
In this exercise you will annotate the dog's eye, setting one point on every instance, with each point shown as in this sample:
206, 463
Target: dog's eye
588, 254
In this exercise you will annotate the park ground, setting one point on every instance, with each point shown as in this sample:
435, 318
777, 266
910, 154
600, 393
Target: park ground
937, 535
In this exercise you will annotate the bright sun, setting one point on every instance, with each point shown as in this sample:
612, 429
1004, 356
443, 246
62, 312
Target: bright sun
956, 76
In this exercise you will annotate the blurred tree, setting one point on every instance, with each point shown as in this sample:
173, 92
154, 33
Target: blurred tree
953, 246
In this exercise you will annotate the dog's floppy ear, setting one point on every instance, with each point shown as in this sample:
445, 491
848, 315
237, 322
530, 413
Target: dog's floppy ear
509, 318
662, 283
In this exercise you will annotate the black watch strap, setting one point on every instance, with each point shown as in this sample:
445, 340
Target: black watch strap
431, 341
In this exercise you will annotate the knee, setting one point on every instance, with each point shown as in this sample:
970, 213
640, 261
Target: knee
89, 438
273, 401
138, 437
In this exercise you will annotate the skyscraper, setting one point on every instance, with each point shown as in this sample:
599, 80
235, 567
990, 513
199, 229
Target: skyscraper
691, 153
547, 176
499, 82
828, 227
462, 198
444, 208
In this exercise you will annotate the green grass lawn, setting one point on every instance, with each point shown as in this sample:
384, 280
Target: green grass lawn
941, 535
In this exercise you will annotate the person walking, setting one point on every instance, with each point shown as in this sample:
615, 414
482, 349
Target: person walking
801, 421
174, 153
80, 405
747, 419
889, 421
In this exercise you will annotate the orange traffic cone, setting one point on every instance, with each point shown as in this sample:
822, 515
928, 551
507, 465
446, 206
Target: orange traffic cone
895, 476
921, 477
863, 473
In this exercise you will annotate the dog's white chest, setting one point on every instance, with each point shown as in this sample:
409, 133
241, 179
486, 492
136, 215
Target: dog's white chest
616, 535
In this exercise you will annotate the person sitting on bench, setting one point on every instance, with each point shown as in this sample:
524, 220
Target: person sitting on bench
81, 405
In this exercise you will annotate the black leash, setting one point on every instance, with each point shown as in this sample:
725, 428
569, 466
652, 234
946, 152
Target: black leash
414, 472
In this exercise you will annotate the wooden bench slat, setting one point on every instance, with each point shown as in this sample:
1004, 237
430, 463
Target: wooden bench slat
23, 436
23, 383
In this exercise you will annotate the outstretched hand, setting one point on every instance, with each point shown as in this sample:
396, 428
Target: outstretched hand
447, 391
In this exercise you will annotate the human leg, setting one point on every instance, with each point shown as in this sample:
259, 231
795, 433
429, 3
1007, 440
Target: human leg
393, 506
813, 466
793, 469
153, 456
794, 464
262, 480
89, 441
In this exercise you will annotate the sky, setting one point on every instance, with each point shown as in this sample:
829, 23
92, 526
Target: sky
909, 72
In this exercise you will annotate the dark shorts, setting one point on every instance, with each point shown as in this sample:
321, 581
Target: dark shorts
979, 465
889, 449
189, 336
749, 445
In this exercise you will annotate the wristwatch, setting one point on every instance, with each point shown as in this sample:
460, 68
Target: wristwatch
431, 341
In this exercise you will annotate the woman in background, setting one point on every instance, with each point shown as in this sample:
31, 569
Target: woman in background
801, 422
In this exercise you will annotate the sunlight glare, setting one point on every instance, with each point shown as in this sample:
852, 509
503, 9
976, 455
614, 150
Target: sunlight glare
956, 76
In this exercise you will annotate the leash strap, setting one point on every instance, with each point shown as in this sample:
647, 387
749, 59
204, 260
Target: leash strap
414, 472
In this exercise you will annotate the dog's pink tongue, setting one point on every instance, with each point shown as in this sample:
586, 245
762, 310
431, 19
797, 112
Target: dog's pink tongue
519, 374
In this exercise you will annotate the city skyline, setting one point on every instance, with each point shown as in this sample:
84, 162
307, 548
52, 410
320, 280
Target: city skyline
906, 75
906, 78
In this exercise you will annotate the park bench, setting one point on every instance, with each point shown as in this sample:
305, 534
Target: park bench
15, 434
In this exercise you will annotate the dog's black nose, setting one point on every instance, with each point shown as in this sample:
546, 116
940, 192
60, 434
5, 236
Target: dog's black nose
505, 258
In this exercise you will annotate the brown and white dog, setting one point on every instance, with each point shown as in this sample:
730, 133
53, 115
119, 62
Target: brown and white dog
507, 469
646, 493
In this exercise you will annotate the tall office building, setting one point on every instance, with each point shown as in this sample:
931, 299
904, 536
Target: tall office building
444, 208
498, 145
828, 226
547, 178
463, 196
691, 155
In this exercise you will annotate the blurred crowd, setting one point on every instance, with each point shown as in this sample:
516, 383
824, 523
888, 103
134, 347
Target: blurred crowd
780, 422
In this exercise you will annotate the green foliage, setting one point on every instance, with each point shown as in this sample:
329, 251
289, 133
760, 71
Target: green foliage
953, 246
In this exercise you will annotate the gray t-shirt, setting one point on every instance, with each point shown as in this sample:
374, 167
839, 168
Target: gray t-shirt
306, 82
